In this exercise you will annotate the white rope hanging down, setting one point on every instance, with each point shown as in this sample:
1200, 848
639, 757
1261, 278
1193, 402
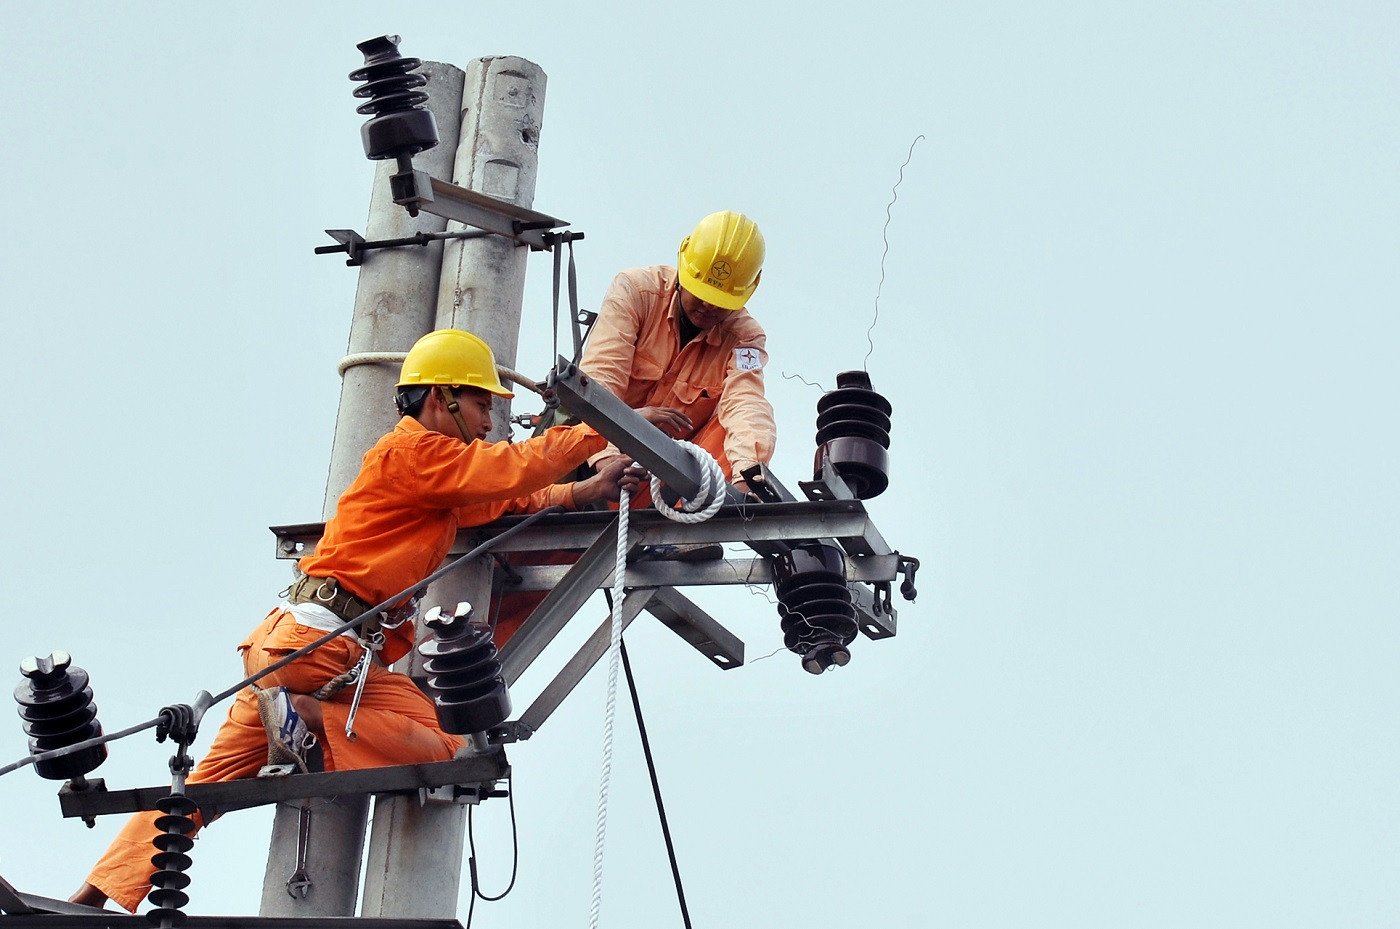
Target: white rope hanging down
708, 502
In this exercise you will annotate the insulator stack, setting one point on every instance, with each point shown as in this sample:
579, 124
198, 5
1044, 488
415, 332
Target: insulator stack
464, 674
172, 844
399, 127
818, 619
853, 433
55, 702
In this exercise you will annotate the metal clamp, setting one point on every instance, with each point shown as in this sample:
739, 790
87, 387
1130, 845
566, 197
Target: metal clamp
908, 564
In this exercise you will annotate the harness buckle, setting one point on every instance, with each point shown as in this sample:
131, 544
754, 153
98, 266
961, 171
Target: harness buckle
326, 592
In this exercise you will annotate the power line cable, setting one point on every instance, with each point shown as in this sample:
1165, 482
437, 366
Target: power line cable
203, 700
471, 855
655, 786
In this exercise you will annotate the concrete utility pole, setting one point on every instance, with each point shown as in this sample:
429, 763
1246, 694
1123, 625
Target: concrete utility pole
395, 304
415, 852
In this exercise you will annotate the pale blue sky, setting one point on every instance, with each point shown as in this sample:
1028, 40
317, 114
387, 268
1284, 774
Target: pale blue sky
1139, 329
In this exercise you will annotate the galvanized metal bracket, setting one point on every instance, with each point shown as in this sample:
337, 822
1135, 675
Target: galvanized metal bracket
355, 245
625, 428
417, 190
225, 796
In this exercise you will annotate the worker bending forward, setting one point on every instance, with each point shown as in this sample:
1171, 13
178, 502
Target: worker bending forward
679, 346
393, 526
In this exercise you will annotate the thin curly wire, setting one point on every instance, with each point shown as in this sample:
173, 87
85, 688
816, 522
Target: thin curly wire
884, 235
798, 377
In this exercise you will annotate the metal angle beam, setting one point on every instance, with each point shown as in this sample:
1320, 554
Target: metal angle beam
590, 572
625, 428
725, 572
72, 916
746, 523
225, 796
10, 901
844, 520
829, 486
583, 661
697, 627
502, 217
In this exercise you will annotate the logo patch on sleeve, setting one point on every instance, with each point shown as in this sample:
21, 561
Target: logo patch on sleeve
748, 359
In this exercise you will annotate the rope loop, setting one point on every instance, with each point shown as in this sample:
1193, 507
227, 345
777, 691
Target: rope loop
712, 489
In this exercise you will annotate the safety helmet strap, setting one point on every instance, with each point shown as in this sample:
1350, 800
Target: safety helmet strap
449, 399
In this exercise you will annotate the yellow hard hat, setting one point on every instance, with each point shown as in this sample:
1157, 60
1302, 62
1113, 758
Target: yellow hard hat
721, 261
452, 357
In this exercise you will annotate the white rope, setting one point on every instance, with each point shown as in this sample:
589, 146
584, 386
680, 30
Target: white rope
711, 498
387, 358
610, 709
712, 489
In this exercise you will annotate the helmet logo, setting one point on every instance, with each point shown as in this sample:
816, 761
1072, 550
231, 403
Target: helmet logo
721, 270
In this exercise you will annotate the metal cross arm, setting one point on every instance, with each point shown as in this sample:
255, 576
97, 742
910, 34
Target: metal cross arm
624, 427
846, 521
417, 190
355, 245
242, 793
676, 612
46, 913
722, 572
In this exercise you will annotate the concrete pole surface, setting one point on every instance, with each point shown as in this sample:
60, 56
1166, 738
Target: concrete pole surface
396, 300
395, 304
414, 867
483, 280
333, 857
481, 290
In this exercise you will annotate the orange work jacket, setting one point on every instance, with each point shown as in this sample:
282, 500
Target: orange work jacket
394, 524
635, 352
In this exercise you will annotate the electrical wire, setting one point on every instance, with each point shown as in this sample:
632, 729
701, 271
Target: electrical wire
471, 854
372, 612
709, 498
884, 235
798, 377
655, 786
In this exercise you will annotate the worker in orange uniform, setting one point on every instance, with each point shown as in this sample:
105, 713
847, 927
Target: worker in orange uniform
393, 526
679, 346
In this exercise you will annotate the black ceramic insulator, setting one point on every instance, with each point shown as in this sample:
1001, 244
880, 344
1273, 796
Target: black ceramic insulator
814, 605
399, 126
464, 676
55, 702
171, 860
853, 432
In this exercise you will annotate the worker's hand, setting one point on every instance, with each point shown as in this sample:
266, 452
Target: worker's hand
613, 475
739, 467
670, 421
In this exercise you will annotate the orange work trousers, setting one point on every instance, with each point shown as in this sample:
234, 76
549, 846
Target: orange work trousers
395, 725
515, 608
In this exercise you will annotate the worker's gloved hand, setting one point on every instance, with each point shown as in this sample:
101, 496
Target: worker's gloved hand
614, 473
670, 421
